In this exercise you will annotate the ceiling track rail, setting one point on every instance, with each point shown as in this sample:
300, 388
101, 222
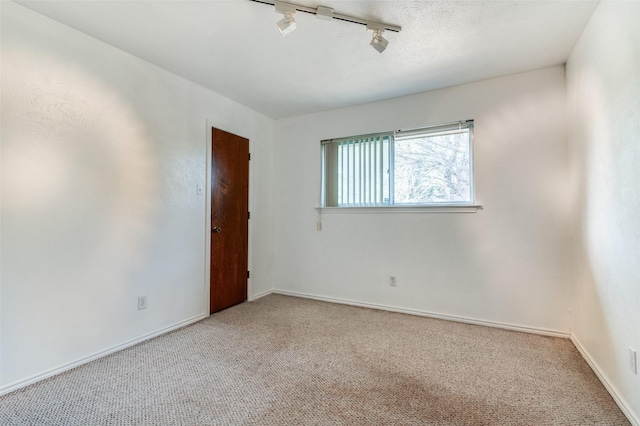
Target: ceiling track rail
338, 16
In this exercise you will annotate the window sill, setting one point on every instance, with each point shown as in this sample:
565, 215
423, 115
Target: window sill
449, 208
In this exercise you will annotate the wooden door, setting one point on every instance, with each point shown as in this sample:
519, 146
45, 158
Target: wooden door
229, 219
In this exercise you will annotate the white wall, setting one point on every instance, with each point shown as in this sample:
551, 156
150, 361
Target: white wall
101, 155
509, 263
603, 79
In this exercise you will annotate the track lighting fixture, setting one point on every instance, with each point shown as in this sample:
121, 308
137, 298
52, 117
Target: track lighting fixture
378, 42
288, 23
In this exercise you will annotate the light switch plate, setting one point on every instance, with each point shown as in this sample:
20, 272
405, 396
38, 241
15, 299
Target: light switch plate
142, 302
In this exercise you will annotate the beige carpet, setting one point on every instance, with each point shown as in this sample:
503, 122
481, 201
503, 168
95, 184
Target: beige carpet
289, 361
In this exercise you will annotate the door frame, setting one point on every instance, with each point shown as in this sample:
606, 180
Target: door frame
244, 133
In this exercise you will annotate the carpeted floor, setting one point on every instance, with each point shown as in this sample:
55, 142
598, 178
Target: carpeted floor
289, 361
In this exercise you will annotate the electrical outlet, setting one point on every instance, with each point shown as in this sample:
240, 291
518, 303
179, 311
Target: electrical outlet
393, 281
633, 365
142, 302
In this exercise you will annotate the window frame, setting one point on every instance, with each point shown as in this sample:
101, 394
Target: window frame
392, 207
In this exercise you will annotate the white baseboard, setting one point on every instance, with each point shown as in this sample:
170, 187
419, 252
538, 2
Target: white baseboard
514, 327
622, 403
52, 372
259, 295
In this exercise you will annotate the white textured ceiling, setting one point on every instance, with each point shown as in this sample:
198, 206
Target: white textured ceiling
234, 48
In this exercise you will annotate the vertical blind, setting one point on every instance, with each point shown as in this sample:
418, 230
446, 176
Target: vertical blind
357, 171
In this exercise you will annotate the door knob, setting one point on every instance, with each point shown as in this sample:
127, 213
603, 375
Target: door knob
216, 229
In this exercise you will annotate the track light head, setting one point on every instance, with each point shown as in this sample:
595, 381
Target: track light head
378, 42
288, 23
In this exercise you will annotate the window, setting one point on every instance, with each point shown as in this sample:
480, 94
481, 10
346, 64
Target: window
432, 166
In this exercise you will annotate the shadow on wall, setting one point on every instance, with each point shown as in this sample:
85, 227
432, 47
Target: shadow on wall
523, 236
604, 99
78, 191
603, 261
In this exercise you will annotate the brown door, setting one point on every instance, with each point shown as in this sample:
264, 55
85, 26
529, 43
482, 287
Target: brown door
229, 219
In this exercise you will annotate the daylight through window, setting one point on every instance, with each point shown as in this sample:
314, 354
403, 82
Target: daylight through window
421, 167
